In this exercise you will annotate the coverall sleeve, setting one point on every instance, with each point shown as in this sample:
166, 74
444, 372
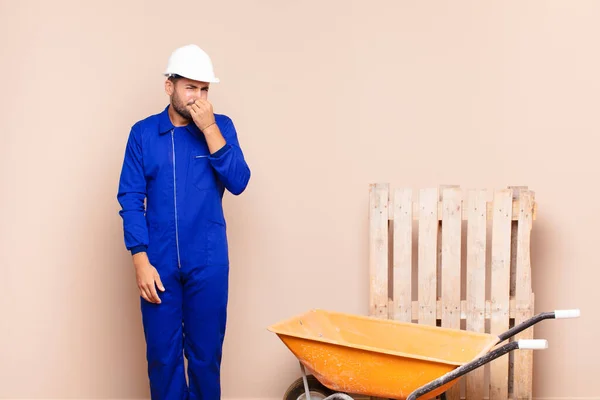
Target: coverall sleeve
131, 195
229, 162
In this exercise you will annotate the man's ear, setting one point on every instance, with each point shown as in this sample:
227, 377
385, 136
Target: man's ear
169, 87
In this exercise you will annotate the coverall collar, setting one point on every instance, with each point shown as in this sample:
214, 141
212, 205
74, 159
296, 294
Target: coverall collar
165, 124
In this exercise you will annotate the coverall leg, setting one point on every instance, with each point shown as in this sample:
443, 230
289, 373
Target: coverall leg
204, 318
163, 331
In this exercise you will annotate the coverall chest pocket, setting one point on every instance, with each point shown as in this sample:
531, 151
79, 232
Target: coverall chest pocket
202, 173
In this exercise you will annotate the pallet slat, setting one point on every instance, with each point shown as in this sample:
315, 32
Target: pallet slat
450, 266
500, 276
513, 274
402, 256
464, 216
378, 251
428, 231
476, 303
523, 360
451, 246
464, 311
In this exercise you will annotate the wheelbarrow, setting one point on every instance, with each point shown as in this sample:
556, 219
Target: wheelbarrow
348, 355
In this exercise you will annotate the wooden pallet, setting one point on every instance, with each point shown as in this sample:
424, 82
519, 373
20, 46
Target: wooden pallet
457, 259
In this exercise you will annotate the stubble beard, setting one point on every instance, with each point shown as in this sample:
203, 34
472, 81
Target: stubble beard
180, 108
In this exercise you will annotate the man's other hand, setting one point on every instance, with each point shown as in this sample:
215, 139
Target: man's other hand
148, 278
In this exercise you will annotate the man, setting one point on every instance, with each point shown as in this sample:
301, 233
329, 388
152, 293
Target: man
180, 162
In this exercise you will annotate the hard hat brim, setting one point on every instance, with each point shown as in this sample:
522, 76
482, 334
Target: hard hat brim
194, 78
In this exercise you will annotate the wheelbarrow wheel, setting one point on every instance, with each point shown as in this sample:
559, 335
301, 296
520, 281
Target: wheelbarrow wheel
317, 390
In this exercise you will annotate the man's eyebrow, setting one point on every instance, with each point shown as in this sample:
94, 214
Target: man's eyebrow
193, 85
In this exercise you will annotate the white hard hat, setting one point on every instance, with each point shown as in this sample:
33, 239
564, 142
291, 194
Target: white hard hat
191, 62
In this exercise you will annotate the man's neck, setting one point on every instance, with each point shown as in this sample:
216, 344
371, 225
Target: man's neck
176, 118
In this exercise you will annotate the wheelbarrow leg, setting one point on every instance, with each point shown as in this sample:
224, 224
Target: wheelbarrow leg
335, 396
306, 389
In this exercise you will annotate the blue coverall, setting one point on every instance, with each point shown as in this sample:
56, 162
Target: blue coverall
182, 228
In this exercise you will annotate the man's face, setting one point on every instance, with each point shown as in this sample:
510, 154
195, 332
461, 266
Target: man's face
184, 92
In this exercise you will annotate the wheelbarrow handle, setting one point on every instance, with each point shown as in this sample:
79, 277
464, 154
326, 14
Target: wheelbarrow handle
532, 344
524, 344
558, 314
466, 368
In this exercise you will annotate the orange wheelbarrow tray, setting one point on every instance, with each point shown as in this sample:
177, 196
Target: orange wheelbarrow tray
352, 354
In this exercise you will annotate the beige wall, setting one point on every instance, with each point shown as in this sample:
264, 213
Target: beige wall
327, 98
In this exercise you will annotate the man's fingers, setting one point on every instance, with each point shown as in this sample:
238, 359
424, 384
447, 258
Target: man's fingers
144, 294
207, 105
201, 104
159, 283
195, 110
153, 293
148, 294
